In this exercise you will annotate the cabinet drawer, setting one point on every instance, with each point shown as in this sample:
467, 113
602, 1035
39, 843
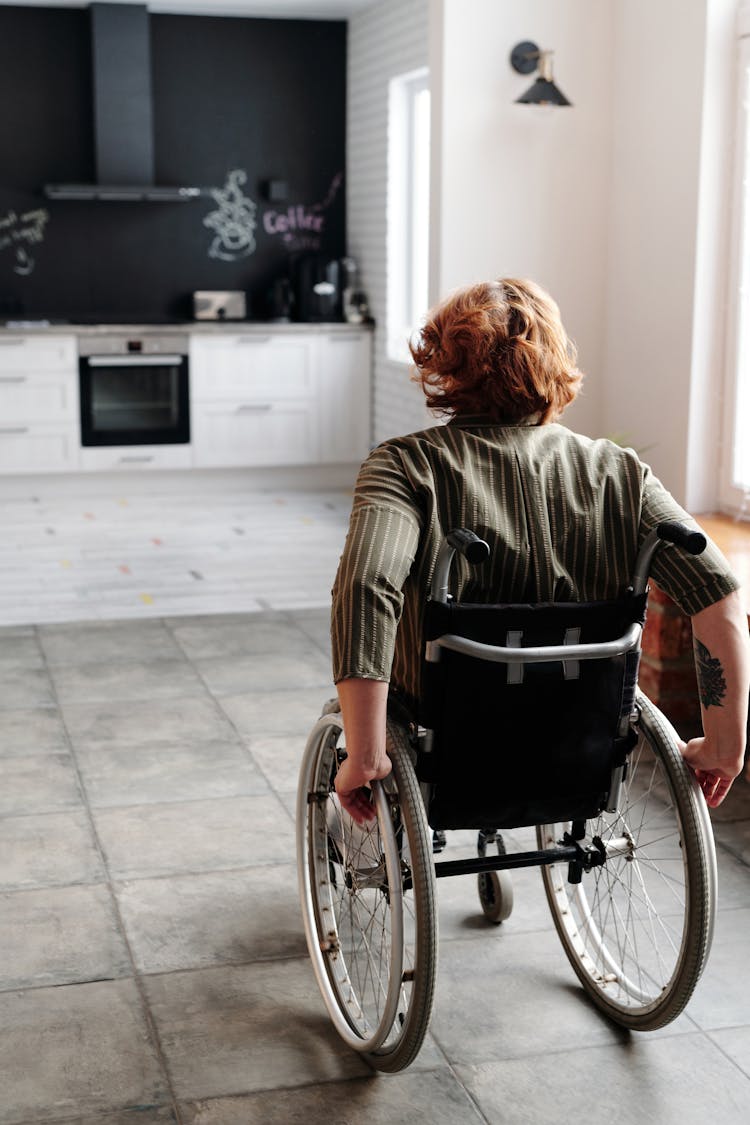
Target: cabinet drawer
38, 448
136, 457
38, 396
254, 436
252, 367
27, 354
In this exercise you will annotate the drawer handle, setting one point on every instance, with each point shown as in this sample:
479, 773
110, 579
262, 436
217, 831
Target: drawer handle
14, 429
254, 408
17, 343
13, 378
253, 339
345, 337
133, 459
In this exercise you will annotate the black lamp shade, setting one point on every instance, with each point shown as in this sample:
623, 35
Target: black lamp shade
543, 92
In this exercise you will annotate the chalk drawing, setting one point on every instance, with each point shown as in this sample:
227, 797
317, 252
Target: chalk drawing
18, 232
233, 221
300, 226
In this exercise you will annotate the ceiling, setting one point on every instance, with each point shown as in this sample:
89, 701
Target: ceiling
268, 9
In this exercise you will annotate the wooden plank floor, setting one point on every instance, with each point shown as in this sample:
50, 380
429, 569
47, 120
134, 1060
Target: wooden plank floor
123, 554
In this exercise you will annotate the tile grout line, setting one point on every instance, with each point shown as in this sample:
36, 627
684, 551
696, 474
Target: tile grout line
471, 1099
216, 700
718, 1046
153, 1031
451, 1066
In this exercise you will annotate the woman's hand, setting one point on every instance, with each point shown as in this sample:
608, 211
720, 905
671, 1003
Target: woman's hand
713, 773
352, 785
363, 709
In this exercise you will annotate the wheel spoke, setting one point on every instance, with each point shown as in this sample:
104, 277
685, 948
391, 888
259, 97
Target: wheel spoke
625, 926
362, 926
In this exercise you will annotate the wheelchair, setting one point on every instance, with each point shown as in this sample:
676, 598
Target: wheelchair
542, 703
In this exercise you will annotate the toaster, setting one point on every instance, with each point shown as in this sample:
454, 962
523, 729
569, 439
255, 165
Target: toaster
213, 304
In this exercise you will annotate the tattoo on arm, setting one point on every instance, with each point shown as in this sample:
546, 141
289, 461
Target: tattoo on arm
712, 687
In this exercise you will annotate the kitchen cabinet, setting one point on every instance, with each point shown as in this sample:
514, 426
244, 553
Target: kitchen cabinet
260, 397
265, 399
39, 419
253, 400
344, 396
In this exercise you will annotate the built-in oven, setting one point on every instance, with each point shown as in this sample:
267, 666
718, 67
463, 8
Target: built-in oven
134, 390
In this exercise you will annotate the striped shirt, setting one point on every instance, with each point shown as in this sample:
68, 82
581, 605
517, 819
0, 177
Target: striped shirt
564, 516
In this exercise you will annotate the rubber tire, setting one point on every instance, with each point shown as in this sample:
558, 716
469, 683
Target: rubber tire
495, 889
400, 788
699, 860
402, 1052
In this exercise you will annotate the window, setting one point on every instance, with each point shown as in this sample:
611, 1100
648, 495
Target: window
408, 208
736, 470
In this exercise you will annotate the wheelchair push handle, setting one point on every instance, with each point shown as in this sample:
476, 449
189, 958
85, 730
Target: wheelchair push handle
668, 531
461, 539
474, 549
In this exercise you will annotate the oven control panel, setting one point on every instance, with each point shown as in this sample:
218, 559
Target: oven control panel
121, 344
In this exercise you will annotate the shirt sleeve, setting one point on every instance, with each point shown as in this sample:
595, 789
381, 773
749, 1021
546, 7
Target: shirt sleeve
380, 547
694, 582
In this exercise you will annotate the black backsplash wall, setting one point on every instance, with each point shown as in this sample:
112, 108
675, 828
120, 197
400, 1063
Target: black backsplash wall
264, 99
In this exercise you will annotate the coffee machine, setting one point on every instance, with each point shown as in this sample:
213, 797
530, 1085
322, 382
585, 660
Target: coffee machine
317, 288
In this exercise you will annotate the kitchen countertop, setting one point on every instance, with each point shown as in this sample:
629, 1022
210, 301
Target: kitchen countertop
192, 327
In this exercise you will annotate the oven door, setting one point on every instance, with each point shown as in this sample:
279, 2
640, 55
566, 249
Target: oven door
134, 400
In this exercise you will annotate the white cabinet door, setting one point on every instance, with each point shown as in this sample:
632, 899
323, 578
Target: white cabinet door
39, 423
252, 366
39, 396
254, 434
30, 354
38, 448
253, 400
344, 363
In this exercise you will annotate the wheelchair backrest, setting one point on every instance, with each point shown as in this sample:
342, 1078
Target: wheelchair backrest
525, 742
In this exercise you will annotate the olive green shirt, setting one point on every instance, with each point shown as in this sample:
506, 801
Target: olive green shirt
564, 516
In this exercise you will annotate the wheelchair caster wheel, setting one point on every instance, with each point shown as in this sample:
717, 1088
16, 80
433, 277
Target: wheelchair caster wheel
495, 895
495, 887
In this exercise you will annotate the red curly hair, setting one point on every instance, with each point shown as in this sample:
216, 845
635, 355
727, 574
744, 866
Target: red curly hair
497, 348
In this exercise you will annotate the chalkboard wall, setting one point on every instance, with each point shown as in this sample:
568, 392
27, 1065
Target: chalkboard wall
237, 103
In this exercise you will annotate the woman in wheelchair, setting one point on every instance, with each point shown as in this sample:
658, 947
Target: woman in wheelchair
514, 692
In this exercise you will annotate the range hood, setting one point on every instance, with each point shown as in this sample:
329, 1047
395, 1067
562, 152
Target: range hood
123, 113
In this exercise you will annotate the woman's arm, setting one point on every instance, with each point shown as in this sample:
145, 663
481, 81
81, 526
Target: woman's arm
722, 662
363, 709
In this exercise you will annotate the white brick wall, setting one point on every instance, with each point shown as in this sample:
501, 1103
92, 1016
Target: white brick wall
385, 40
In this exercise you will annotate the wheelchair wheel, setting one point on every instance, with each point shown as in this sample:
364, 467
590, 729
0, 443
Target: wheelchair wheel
368, 900
495, 888
638, 929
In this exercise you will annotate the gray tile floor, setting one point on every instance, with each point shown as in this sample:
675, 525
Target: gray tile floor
153, 963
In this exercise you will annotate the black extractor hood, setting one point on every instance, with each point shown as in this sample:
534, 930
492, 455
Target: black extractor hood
123, 113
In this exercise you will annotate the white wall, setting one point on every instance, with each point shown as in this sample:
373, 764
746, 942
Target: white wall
618, 205
521, 191
656, 125
385, 40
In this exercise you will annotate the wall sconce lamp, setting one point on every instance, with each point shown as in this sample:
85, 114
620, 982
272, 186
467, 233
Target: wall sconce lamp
525, 58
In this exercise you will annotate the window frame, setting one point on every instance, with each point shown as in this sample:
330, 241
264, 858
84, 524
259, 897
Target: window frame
734, 496
407, 184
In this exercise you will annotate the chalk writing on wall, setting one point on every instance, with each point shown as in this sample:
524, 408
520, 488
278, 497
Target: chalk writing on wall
233, 220
300, 226
19, 232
